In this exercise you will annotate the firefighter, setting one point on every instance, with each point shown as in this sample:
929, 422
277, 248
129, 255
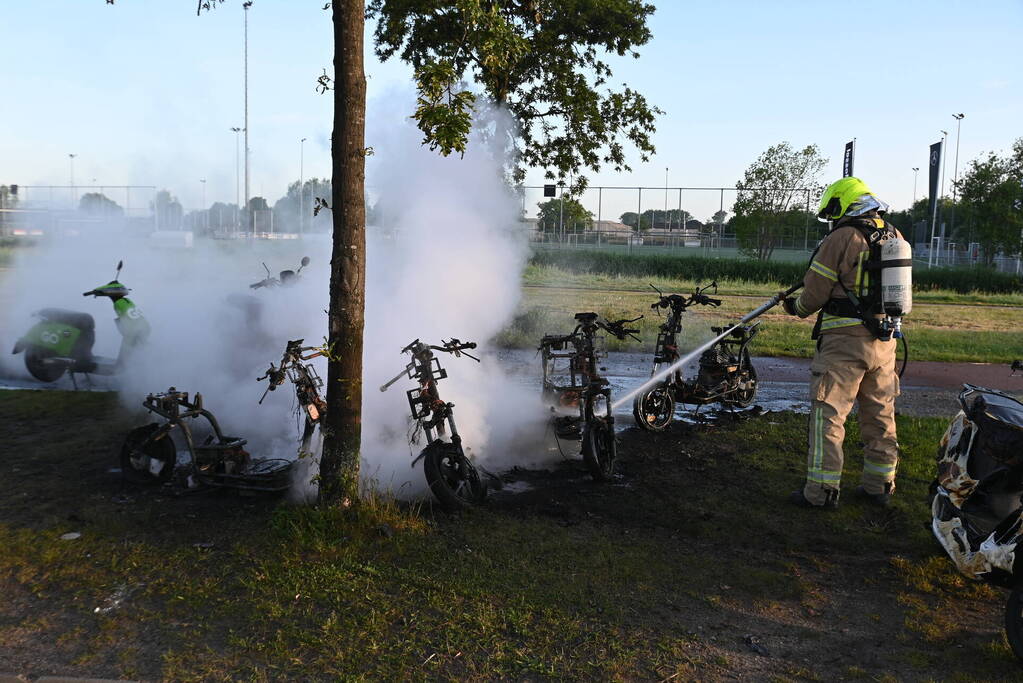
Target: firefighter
855, 357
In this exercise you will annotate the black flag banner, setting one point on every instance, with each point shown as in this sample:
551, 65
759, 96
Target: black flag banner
847, 159
934, 164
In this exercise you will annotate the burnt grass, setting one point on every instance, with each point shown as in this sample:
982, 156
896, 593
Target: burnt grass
689, 565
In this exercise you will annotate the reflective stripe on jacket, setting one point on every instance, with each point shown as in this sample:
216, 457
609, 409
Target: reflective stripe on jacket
842, 255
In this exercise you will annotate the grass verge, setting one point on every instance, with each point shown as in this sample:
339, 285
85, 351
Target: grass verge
955, 333
671, 573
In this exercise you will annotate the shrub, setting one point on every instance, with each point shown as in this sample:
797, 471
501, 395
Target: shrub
962, 280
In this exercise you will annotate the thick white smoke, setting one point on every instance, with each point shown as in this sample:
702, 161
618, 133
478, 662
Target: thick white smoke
444, 260
445, 257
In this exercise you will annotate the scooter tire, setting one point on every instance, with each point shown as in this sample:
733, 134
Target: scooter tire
452, 478
744, 399
1014, 622
654, 410
37, 367
599, 449
162, 449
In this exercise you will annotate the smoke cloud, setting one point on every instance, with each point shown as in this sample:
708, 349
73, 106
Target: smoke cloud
445, 256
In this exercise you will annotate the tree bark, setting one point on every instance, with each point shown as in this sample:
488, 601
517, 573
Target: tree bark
339, 462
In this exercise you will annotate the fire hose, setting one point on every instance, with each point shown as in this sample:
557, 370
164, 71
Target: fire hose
755, 313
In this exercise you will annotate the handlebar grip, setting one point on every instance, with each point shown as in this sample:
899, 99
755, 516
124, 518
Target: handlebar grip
631, 331
91, 291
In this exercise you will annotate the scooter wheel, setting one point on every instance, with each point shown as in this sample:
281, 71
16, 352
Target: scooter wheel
35, 363
1014, 621
655, 409
599, 449
138, 452
452, 477
743, 398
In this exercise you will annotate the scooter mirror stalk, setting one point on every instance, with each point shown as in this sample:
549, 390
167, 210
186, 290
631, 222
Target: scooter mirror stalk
120, 264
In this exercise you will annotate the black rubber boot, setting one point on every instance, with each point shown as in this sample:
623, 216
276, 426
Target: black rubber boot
878, 499
830, 503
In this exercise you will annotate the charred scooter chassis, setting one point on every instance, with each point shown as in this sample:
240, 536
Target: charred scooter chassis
149, 455
62, 341
726, 373
307, 385
587, 390
450, 474
285, 278
976, 509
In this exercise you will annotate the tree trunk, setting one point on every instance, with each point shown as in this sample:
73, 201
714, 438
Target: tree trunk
339, 463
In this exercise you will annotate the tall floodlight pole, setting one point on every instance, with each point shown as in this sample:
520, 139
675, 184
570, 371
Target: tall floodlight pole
941, 193
301, 186
205, 213
237, 175
250, 219
71, 159
955, 169
916, 172
666, 198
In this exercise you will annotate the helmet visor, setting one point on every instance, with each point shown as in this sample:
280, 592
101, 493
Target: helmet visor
864, 204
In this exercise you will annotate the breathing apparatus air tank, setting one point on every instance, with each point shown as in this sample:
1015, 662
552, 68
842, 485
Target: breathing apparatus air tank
896, 282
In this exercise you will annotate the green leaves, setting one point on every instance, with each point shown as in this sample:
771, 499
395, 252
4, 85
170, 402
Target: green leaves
542, 60
991, 201
773, 195
444, 116
563, 214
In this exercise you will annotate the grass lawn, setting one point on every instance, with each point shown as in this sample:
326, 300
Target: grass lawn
689, 566
943, 326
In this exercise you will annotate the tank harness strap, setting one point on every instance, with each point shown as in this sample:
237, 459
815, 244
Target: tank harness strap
851, 306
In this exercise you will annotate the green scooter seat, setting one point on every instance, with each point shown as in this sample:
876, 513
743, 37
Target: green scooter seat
82, 321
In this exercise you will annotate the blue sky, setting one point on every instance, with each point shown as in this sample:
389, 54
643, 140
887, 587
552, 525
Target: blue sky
144, 92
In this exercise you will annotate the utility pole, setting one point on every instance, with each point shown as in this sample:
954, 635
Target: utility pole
955, 172
237, 176
301, 186
249, 218
916, 172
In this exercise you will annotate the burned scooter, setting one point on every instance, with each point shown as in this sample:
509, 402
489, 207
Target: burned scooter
451, 475
726, 373
572, 383
307, 386
976, 509
149, 454
284, 278
62, 340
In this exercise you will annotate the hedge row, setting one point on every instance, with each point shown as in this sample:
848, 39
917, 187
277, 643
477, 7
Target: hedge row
962, 280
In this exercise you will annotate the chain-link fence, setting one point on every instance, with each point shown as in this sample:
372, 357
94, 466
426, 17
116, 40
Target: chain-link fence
650, 219
38, 210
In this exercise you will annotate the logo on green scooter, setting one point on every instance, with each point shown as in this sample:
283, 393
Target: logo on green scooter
56, 337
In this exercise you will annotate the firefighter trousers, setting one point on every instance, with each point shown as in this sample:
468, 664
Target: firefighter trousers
849, 368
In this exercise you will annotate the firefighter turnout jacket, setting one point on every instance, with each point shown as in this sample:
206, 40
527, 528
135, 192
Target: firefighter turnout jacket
840, 264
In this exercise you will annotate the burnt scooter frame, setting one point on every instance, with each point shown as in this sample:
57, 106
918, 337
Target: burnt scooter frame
149, 455
307, 383
976, 512
450, 475
725, 369
586, 388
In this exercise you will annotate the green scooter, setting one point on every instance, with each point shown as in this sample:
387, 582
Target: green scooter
62, 340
